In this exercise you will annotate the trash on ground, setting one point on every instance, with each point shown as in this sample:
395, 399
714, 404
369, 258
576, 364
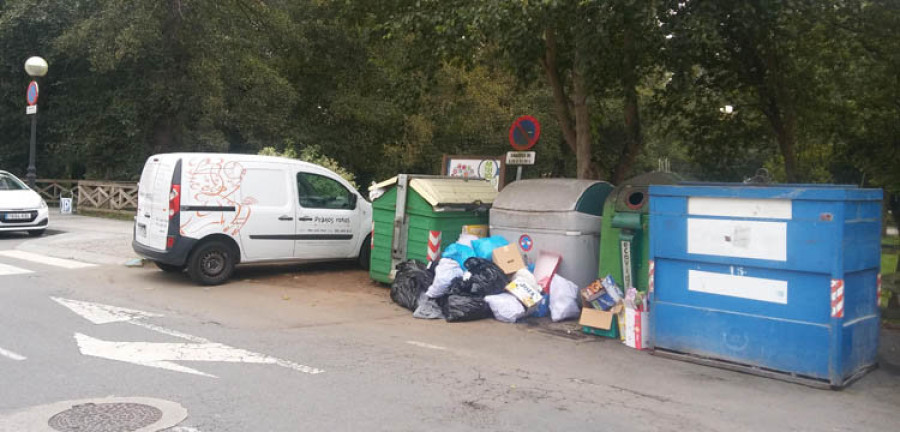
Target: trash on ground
428, 308
563, 299
600, 323
459, 253
524, 286
444, 273
508, 259
458, 308
484, 247
505, 307
411, 281
486, 279
545, 268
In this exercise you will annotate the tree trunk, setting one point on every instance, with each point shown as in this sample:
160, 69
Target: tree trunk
560, 100
584, 167
634, 140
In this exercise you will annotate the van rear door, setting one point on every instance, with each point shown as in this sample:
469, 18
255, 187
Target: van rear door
152, 220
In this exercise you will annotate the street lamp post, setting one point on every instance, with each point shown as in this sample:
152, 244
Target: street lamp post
35, 67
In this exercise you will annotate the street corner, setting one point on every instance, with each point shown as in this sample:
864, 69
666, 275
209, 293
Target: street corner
134, 414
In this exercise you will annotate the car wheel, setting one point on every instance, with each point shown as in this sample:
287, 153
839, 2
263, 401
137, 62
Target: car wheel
365, 253
211, 263
169, 268
36, 233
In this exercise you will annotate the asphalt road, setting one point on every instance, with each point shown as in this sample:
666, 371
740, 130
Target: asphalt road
374, 366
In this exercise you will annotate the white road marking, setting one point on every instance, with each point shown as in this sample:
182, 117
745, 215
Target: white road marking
426, 345
6, 270
161, 355
103, 314
11, 355
43, 259
183, 429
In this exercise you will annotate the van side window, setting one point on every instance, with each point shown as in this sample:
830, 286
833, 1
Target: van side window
322, 192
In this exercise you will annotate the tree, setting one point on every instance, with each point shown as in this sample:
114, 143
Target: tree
583, 49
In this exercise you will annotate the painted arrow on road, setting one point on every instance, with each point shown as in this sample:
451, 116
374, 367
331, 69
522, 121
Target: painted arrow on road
160, 355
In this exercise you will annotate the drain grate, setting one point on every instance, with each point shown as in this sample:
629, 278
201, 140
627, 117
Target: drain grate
105, 417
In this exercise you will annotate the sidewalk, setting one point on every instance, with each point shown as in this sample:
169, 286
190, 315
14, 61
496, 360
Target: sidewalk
83, 238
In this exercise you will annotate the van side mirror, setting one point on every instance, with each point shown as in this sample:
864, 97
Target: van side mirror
352, 202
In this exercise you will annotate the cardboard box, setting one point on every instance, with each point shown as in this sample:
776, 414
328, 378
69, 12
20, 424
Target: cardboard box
637, 329
526, 294
601, 300
602, 323
508, 259
480, 231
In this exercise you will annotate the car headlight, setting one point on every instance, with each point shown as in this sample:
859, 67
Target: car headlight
43, 204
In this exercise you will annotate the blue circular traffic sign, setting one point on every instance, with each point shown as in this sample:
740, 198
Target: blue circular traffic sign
526, 243
524, 133
32, 95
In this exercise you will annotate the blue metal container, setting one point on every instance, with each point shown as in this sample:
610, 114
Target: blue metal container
779, 280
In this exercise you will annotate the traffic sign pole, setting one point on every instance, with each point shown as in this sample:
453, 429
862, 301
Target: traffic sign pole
31, 96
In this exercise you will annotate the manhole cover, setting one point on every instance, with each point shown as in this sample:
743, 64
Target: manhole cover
105, 417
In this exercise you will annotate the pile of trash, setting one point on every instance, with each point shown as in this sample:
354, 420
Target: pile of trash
610, 312
477, 278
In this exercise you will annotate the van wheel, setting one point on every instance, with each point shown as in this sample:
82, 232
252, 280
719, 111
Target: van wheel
365, 253
169, 268
36, 233
211, 263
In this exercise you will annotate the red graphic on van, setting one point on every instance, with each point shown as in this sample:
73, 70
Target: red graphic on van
216, 183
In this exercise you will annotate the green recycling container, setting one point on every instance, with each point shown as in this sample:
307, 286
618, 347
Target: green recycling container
625, 234
431, 215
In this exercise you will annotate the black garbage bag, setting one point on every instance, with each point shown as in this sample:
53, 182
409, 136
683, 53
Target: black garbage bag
465, 308
410, 282
459, 286
487, 278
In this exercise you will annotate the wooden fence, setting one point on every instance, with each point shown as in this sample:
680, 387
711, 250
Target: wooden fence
89, 194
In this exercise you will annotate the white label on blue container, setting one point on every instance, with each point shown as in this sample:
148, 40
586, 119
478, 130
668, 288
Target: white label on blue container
767, 290
737, 238
741, 208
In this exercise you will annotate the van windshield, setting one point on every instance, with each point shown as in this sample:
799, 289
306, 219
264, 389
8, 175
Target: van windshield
9, 182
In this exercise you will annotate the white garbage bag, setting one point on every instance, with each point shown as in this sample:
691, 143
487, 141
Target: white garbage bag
506, 307
446, 270
563, 299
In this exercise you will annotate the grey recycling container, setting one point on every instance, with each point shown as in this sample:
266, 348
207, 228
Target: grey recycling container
561, 216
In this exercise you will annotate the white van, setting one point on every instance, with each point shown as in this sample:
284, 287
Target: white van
207, 212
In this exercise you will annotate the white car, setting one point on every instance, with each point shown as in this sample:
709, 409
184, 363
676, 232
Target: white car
206, 212
21, 209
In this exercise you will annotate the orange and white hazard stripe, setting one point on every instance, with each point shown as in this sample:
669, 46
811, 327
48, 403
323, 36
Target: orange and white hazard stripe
837, 298
652, 275
434, 245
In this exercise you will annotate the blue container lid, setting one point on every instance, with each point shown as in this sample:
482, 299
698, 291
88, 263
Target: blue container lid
811, 192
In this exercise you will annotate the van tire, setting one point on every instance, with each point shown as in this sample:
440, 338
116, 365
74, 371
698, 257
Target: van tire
211, 263
365, 253
169, 268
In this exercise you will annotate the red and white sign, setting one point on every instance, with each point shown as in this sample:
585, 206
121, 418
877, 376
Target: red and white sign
837, 298
434, 245
637, 329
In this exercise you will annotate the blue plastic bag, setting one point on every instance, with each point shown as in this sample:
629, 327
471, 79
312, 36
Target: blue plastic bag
459, 253
484, 248
543, 308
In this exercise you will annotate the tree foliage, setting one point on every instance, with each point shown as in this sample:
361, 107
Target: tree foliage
389, 86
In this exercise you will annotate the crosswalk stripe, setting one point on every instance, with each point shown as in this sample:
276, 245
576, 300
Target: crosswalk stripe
43, 259
11, 355
6, 270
